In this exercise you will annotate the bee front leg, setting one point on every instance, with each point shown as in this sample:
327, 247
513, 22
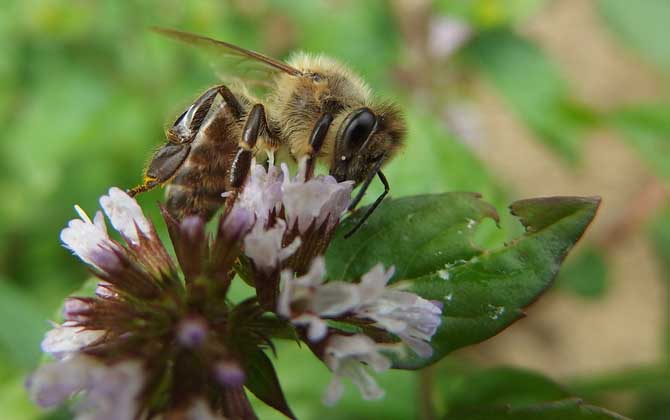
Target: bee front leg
255, 124
316, 140
376, 171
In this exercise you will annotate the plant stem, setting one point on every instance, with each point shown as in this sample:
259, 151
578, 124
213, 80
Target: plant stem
425, 397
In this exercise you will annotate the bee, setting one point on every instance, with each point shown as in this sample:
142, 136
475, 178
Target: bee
314, 108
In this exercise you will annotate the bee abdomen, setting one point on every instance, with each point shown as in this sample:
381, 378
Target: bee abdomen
197, 186
185, 200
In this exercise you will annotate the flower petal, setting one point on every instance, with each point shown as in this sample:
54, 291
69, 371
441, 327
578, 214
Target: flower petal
348, 356
262, 193
264, 246
316, 200
374, 282
334, 298
112, 392
51, 384
88, 240
65, 339
125, 214
334, 391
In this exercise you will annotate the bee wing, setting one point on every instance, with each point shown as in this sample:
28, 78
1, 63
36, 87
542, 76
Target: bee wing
244, 58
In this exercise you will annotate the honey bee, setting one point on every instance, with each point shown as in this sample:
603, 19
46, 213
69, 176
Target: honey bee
315, 107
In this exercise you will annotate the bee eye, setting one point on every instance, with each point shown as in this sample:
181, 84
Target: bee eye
316, 77
358, 128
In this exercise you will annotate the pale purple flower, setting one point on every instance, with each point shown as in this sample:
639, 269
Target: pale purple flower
320, 300
192, 227
89, 240
72, 309
464, 120
109, 392
351, 357
314, 201
125, 215
229, 373
305, 201
65, 339
104, 290
112, 392
262, 192
412, 318
238, 222
192, 332
265, 248
53, 383
446, 35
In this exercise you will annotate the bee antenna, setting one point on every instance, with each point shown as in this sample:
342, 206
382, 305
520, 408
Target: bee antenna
374, 205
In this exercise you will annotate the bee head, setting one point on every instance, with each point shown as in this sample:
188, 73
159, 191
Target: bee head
365, 141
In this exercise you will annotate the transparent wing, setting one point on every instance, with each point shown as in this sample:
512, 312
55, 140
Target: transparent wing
240, 62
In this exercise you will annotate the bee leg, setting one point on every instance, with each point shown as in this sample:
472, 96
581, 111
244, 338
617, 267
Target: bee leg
376, 171
148, 184
188, 124
170, 156
254, 125
316, 140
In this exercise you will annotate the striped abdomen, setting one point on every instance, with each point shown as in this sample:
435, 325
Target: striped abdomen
197, 185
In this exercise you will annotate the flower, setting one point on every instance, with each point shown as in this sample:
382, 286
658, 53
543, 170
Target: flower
52, 383
89, 240
295, 218
314, 201
447, 35
161, 338
262, 192
412, 318
265, 246
308, 301
315, 299
348, 356
68, 338
125, 215
146, 330
111, 392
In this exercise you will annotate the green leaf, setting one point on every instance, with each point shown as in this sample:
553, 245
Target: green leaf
512, 393
534, 88
508, 386
643, 25
573, 409
429, 240
647, 129
425, 231
585, 275
263, 383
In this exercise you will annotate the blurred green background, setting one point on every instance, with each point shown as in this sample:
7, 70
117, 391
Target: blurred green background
508, 98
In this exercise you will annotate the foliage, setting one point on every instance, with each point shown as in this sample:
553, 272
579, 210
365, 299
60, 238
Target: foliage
429, 241
87, 91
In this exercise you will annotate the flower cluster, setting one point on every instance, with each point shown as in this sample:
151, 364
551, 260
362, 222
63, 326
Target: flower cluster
161, 339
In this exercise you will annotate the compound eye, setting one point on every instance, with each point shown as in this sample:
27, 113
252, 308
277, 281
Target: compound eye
361, 124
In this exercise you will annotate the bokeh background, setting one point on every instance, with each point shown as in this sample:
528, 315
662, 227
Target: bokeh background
513, 99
